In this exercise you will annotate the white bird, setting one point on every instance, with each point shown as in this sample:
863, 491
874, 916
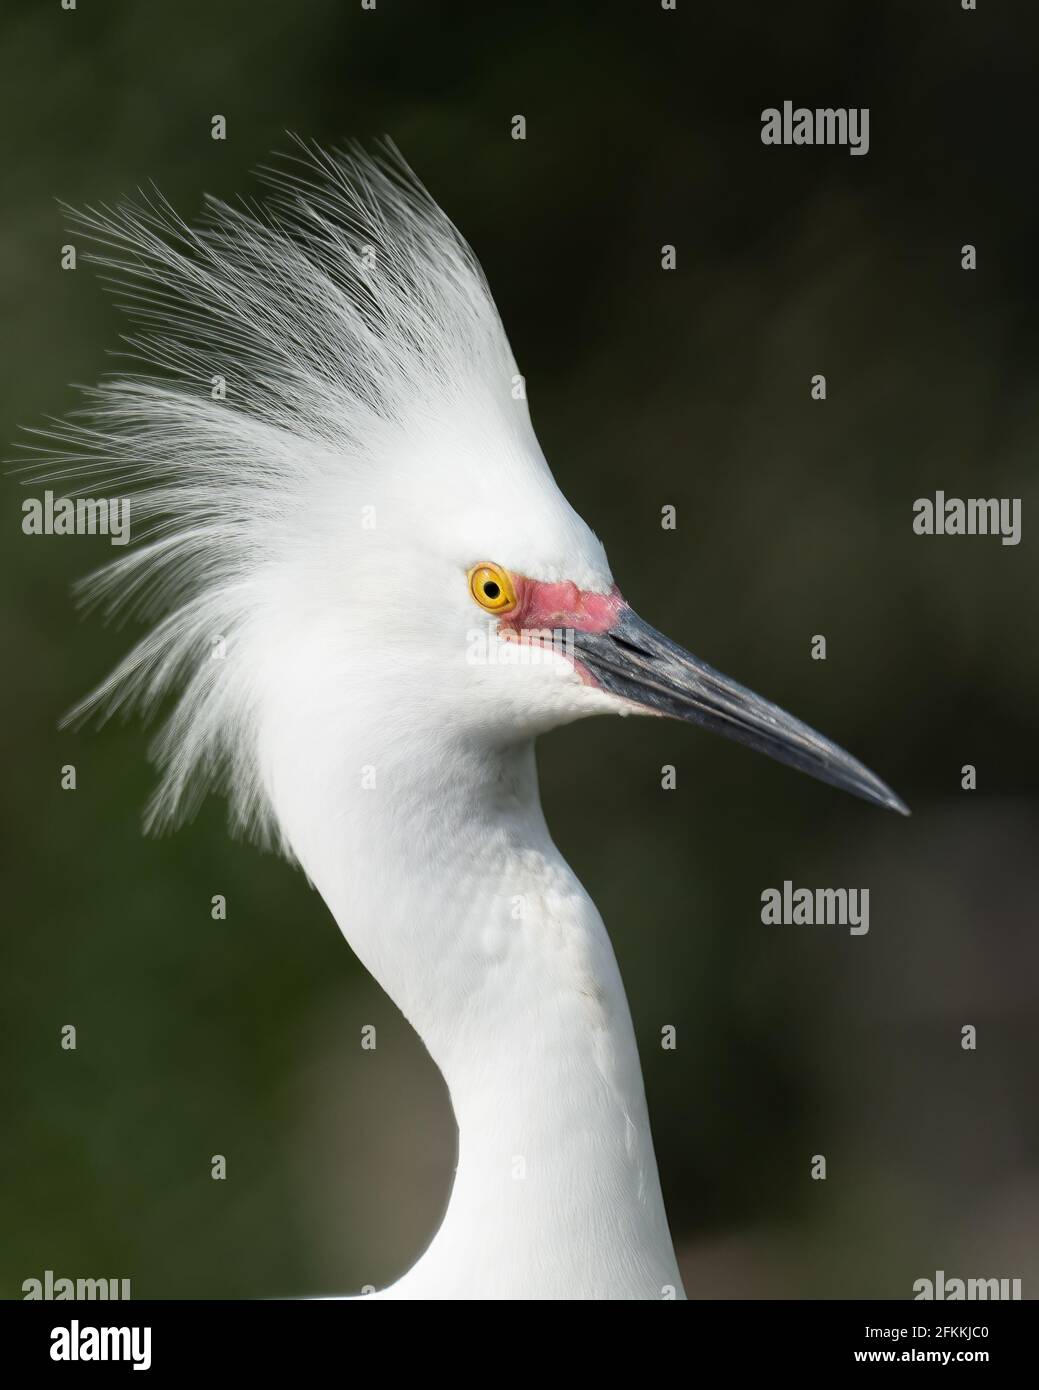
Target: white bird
372, 597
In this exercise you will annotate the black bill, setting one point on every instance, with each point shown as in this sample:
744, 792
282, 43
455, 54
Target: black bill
638, 663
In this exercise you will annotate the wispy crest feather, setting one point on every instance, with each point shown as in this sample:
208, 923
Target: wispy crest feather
322, 354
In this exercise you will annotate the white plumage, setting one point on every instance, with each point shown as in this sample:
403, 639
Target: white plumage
319, 523
363, 359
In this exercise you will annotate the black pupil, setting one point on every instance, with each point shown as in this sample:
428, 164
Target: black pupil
491, 589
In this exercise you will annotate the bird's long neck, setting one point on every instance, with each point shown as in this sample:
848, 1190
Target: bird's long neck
453, 895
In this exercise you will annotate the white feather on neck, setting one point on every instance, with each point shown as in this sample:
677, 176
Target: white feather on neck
444, 879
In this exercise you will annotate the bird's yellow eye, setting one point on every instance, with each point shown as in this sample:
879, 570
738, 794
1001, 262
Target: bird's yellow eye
492, 588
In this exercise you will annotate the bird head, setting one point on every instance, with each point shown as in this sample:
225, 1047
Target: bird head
339, 506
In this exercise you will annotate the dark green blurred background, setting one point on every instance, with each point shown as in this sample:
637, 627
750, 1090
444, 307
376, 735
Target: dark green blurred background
647, 388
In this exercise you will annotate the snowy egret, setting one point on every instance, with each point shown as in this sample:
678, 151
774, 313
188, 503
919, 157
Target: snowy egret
362, 579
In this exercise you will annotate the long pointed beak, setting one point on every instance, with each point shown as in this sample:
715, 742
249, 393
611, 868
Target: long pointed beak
633, 660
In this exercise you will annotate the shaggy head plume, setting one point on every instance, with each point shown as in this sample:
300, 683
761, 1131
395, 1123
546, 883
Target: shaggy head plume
351, 323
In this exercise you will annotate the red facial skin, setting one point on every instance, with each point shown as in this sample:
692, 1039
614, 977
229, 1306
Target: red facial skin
551, 606
548, 608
